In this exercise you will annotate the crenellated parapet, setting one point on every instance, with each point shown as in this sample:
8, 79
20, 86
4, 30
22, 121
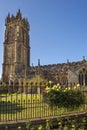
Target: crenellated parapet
63, 73
18, 18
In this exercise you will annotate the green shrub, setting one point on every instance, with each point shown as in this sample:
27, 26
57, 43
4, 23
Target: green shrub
68, 98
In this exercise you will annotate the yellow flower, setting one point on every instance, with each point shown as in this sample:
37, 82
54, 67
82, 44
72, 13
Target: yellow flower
40, 127
73, 126
19, 127
68, 88
47, 89
50, 82
54, 87
74, 87
58, 84
78, 85
57, 89
59, 123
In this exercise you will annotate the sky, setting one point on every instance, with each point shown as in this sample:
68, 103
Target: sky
58, 29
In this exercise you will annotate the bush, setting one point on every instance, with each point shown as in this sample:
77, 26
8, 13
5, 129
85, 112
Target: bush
64, 98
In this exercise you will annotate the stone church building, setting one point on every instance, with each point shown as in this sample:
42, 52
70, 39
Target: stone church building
16, 61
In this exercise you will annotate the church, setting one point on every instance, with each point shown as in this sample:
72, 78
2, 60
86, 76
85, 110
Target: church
16, 60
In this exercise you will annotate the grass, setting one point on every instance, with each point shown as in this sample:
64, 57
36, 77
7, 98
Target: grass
27, 106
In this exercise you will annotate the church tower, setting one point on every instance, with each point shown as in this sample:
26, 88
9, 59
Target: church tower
16, 46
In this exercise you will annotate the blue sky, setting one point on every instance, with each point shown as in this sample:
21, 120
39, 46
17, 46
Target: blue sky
58, 29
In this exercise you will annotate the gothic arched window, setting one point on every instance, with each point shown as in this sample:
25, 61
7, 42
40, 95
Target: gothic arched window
86, 78
83, 77
64, 81
19, 53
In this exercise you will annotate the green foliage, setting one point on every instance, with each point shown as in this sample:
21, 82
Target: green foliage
40, 127
33, 128
47, 124
28, 125
61, 98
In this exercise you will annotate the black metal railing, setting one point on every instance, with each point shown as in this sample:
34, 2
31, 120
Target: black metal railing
26, 102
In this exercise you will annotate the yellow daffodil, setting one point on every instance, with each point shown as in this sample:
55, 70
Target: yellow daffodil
75, 87
69, 88
47, 89
40, 127
19, 127
78, 85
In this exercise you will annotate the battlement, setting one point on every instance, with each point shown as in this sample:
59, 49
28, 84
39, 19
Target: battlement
18, 18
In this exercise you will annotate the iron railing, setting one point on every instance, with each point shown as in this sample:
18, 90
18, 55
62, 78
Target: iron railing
26, 102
